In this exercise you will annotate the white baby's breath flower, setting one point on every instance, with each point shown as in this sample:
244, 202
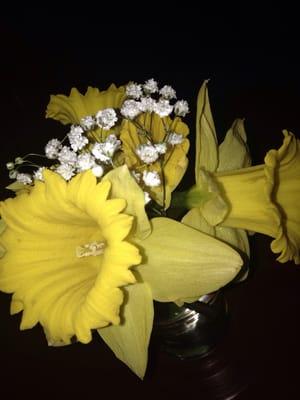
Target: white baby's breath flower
66, 171
76, 130
24, 178
134, 90
147, 104
174, 138
147, 153
67, 156
130, 109
106, 150
76, 139
150, 86
167, 92
151, 178
111, 145
98, 171
38, 174
161, 148
147, 197
98, 152
85, 161
181, 108
163, 108
52, 148
87, 122
106, 118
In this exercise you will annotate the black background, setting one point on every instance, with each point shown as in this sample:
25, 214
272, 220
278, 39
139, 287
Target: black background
251, 59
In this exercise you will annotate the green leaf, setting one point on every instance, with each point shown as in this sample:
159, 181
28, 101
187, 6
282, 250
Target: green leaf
129, 341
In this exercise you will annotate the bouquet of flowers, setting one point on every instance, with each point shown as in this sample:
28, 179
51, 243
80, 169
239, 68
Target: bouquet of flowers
88, 239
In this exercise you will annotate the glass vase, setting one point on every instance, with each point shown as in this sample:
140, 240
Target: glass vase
192, 330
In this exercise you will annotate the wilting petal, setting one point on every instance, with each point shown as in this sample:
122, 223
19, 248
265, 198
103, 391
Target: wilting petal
186, 263
124, 186
129, 340
233, 151
206, 139
70, 109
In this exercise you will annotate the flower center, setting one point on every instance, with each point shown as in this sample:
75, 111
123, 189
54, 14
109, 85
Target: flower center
90, 249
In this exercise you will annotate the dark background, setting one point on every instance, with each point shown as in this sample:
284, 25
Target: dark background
251, 59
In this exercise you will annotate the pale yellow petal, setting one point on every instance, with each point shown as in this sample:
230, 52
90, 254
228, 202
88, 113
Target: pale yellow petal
129, 341
186, 263
2, 228
206, 139
215, 209
124, 186
233, 151
70, 109
194, 219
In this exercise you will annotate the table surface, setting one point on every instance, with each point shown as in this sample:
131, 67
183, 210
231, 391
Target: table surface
258, 356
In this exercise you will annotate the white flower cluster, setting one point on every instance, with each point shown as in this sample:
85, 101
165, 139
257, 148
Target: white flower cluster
140, 100
80, 154
101, 153
104, 119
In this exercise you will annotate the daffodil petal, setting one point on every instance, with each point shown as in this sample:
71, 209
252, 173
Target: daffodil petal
66, 257
2, 228
206, 138
70, 109
233, 151
124, 186
237, 238
129, 341
186, 263
194, 219
215, 209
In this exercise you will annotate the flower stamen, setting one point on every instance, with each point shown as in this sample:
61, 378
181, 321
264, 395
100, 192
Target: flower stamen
90, 249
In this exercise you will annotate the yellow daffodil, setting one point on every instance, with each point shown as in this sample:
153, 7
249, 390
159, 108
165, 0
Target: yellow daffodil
82, 255
230, 194
171, 166
265, 198
231, 154
71, 109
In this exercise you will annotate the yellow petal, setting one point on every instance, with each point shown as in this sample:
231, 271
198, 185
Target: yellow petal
195, 219
70, 109
124, 186
68, 294
129, 341
2, 228
237, 238
265, 198
173, 163
206, 139
215, 209
186, 263
233, 151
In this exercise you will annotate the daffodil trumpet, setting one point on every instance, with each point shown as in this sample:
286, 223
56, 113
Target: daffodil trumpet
263, 198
